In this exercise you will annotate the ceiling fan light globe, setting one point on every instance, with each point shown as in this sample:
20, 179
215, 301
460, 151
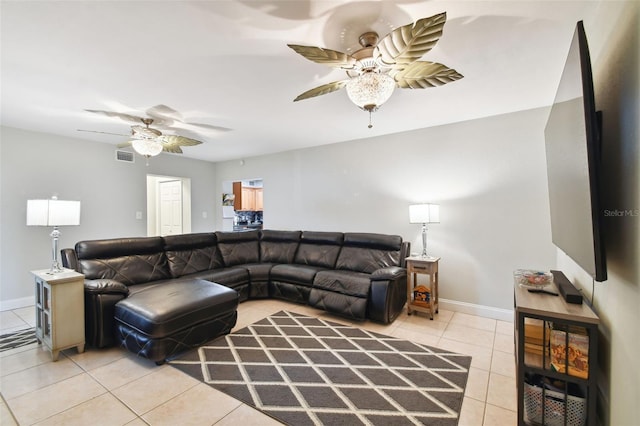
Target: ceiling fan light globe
147, 147
370, 90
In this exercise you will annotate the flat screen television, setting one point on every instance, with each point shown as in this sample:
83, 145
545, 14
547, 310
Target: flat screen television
573, 149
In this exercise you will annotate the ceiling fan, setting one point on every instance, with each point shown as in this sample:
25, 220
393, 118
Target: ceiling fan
150, 141
381, 65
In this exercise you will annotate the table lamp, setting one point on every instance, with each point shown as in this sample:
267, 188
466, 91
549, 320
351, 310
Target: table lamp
54, 213
424, 214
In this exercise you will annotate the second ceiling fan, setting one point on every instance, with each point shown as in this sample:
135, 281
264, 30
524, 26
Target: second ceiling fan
147, 140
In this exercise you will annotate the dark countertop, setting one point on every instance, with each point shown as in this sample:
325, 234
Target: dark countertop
248, 227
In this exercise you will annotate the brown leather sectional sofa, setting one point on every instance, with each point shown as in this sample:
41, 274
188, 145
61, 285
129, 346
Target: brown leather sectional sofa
356, 275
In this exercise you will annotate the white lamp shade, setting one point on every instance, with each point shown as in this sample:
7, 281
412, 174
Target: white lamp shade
424, 213
53, 212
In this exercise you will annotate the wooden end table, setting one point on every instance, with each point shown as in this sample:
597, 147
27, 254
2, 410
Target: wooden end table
427, 266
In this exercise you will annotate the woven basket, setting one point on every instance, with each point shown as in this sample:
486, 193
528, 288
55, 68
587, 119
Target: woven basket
554, 413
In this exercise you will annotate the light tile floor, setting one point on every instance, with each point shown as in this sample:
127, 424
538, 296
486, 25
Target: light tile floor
114, 387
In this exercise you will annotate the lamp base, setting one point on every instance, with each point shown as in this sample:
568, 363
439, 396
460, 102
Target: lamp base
55, 269
427, 257
55, 264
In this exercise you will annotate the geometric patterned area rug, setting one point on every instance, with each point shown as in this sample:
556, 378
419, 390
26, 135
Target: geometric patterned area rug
17, 339
303, 370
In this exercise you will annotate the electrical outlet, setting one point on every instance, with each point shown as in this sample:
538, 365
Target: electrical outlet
139, 215
204, 215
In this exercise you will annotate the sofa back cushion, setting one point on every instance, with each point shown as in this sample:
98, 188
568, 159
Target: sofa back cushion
319, 248
278, 246
364, 252
238, 248
190, 253
128, 260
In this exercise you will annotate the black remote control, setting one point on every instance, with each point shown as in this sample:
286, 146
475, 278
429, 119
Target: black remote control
539, 290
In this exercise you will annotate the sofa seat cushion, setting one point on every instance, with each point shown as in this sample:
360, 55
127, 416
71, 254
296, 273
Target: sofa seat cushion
231, 277
164, 310
259, 272
343, 282
295, 274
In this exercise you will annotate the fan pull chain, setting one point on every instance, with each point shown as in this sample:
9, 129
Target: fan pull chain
370, 125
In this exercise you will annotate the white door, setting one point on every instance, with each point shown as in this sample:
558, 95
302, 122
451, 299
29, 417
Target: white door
170, 207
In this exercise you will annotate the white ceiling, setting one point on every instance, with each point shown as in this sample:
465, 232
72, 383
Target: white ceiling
227, 64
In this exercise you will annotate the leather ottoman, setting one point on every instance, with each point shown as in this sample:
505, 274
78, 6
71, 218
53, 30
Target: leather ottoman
166, 319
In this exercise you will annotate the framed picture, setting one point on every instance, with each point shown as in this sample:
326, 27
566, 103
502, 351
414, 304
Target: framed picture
228, 199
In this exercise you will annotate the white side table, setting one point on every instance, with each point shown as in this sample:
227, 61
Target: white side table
422, 265
60, 310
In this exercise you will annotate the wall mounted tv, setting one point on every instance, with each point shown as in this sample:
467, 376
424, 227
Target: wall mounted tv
573, 149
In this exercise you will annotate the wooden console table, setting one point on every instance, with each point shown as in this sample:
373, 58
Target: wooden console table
551, 323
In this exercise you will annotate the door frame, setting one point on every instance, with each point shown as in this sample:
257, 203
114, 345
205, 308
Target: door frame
153, 203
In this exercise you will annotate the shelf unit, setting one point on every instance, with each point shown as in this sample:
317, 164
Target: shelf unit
427, 266
551, 337
59, 310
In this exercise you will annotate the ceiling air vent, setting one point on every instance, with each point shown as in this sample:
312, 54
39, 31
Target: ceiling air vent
125, 156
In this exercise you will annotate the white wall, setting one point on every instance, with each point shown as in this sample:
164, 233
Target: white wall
38, 165
488, 175
614, 45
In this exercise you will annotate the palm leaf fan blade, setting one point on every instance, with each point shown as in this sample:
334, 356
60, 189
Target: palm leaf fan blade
174, 149
329, 57
322, 90
178, 140
423, 74
409, 43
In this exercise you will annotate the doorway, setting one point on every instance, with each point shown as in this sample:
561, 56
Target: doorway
168, 205
242, 204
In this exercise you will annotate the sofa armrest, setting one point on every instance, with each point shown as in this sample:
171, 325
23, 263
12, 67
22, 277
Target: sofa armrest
388, 294
100, 298
69, 259
389, 273
105, 286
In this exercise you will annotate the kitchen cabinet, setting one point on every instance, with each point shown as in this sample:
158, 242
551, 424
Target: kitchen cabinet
259, 200
248, 201
247, 198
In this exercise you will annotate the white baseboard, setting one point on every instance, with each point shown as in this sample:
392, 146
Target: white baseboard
23, 302
451, 305
479, 310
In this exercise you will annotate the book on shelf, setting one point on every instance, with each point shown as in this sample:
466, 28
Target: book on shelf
572, 352
536, 337
421, 296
